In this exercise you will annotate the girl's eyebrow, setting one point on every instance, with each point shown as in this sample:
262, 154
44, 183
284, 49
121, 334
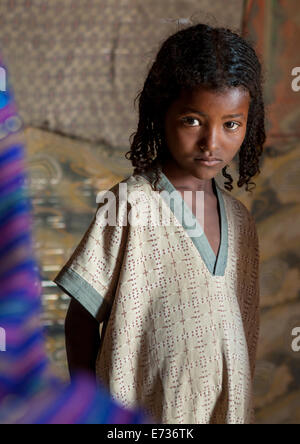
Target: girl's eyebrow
227, 116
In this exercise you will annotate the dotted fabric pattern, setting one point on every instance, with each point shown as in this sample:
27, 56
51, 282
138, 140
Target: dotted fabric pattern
179, 341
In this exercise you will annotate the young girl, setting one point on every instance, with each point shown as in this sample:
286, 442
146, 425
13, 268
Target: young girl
179, 302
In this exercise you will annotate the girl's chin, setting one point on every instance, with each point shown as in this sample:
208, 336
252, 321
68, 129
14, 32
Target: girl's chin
205, 172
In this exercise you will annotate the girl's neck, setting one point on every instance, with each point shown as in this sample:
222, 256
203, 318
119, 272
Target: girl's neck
185, 181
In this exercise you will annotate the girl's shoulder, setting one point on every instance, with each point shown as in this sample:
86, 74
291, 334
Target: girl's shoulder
127, 187
132, 186
134, 191
137, 182
239, 210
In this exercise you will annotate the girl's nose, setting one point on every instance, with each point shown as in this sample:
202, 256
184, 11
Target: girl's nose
209, 138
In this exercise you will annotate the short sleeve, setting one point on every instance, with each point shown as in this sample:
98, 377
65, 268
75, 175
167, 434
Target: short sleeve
91, 274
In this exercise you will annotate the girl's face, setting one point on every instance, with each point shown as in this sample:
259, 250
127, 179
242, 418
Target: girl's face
206, 123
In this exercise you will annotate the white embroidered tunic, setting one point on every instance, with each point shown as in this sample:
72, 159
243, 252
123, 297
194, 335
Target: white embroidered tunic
181, 325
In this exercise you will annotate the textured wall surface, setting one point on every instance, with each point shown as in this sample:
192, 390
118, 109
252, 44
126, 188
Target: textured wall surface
78, 64
76, 67
275, 27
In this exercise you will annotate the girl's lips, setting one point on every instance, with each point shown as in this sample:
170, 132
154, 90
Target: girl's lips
208, 162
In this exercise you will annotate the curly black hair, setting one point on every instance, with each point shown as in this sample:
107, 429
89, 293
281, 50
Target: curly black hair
200, 54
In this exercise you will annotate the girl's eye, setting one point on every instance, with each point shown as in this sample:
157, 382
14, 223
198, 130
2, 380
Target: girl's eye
232, 123
189, 121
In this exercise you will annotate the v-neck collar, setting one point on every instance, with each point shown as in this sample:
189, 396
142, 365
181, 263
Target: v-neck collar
215, 265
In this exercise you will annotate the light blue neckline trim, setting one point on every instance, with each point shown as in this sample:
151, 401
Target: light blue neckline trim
215, 265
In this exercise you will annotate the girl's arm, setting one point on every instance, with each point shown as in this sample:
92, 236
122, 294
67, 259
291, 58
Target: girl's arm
82, 339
